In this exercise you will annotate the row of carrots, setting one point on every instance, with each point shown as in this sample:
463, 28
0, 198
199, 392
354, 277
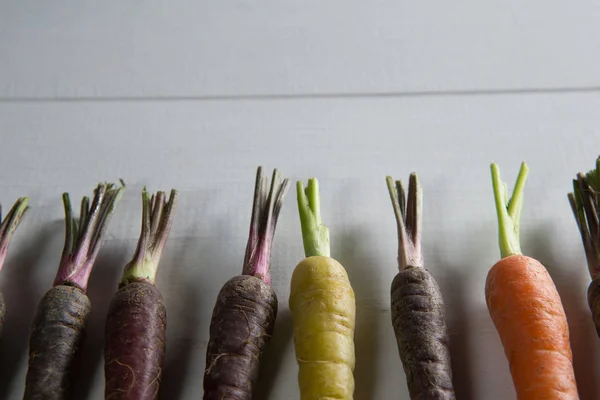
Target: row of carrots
521, 297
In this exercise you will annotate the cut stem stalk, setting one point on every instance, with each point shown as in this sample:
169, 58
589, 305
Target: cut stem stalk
266, 207
509, 210
157, 219
315, 235
409, 218
585, 204
83, 240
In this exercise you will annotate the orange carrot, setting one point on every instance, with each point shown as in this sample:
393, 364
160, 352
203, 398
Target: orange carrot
526, 309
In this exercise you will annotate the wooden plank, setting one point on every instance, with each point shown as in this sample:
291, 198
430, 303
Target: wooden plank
212, 48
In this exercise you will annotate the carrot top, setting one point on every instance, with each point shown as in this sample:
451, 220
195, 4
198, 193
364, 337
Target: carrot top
265, 212
409, 219
83, 240
157, 218
315, 235
10, 224
585, 203
509, 210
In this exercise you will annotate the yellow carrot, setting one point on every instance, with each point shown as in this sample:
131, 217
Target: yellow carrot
323, 310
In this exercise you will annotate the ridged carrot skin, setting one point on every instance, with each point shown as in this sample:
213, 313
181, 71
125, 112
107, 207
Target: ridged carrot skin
136, 329
56, 336
529, 317
244, 313
526, 308
418, 318
323, 308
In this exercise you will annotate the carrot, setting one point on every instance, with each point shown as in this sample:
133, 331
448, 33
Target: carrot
7, 228
246, 307
137, 319
323, 310
418, 311
526, 308
585, 203
60, 320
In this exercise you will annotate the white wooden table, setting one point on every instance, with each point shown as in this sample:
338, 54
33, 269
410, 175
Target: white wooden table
195, 95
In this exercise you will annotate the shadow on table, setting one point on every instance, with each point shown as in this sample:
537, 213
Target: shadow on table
350, 252
459, 330
103, 285
192, 254
274, 354
454, 288
21, 301
573, 294
179, 356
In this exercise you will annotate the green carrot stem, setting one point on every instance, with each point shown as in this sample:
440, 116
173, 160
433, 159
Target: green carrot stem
9, 224
157, 219
585, 204
315, 235
509, 210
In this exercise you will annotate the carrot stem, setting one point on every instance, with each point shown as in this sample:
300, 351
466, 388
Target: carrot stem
509, 210
585, 203
82, 243
9, 224
409, 217
266, 207
157, 219
315, 235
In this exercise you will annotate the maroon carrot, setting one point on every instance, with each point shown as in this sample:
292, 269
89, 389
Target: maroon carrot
246, 307
137, 319
418, 312
61, 317
7, 228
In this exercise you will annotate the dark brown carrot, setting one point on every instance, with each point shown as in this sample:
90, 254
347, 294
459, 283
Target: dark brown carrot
246, 307
7, 227
137, 319
418, 314
585, 203
60, 321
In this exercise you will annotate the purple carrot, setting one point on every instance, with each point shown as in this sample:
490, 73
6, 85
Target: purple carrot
417, 305
7, 228
137, 320
59, 324
246, 307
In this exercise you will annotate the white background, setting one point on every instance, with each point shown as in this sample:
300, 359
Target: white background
195, 95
